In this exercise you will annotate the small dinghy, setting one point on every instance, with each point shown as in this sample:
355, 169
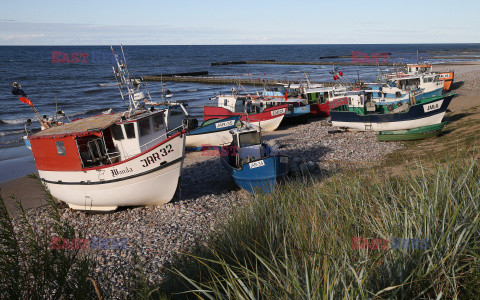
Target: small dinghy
268, 118
418, 133
254, 166
212, 133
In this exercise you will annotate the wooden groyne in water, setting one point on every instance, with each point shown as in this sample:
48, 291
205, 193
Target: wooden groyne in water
299, 63
224, 80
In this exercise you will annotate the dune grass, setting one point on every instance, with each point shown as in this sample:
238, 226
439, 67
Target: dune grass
31, 269
297, 242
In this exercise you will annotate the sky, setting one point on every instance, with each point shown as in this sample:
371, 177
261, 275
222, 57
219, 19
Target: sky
212, 22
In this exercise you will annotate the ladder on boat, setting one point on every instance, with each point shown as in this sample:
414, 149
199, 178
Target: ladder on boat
368, 124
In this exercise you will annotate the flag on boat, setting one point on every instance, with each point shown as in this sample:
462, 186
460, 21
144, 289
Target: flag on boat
26, 101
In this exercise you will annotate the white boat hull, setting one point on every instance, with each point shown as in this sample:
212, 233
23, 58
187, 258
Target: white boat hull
150, 178
388, 126
218, 138
269, 125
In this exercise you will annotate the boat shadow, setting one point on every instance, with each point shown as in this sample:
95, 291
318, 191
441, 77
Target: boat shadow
456, 85
210, 178
308, 161
456, 117
203, 178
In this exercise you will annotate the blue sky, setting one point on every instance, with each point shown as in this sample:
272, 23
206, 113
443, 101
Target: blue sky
182, 22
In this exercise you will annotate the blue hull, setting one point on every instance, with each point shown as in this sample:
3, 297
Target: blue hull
260, 175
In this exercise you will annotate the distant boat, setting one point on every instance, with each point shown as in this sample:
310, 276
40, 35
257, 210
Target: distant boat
323, 99
297, 108
254, 166
267, 118
365, 115
411, 134
422, 69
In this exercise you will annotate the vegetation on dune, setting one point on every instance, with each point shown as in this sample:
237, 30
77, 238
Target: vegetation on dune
31, 269
297, 242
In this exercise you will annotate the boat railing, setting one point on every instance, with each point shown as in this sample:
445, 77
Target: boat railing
163, 136
116, 155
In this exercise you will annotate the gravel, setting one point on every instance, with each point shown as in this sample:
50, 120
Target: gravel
206, 196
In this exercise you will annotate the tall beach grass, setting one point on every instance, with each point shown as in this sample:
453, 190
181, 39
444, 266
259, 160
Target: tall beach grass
31, 269
297, 242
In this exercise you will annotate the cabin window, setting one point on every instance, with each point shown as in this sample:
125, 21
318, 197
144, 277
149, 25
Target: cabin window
249, 139
437, 78
157, 122
117, 132
61, 149
130, 130
144, 126
225, 102
176, 110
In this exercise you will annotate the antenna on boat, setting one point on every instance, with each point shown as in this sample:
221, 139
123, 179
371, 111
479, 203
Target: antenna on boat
123, 74
308, 80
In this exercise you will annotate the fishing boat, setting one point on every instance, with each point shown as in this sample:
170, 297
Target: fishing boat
109, 160
297, 108
411, 134
212, 133
365, 115
254, 165
323, 99
446, 77
267, 118
424, 85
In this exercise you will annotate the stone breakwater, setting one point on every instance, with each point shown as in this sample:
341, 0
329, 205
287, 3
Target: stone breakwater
206, 197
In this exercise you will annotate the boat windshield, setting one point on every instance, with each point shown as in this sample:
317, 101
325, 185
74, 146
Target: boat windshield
249, 139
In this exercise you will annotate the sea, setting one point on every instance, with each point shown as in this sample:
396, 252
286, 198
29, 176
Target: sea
79, 80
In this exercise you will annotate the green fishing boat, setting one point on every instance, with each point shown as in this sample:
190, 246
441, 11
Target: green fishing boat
411, 134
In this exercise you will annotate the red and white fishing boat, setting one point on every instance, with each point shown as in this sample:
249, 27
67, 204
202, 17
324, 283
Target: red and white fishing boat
268, 118
111, 160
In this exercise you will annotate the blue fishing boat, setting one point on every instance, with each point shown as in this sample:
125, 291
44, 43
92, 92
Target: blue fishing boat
212, 133
254, 166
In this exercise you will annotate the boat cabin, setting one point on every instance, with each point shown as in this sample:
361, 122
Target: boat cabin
319, 95
246, 146
414, 69
240, 104
97, 141
411, 83
175, 113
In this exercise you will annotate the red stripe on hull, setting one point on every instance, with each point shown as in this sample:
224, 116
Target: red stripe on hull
213, 112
